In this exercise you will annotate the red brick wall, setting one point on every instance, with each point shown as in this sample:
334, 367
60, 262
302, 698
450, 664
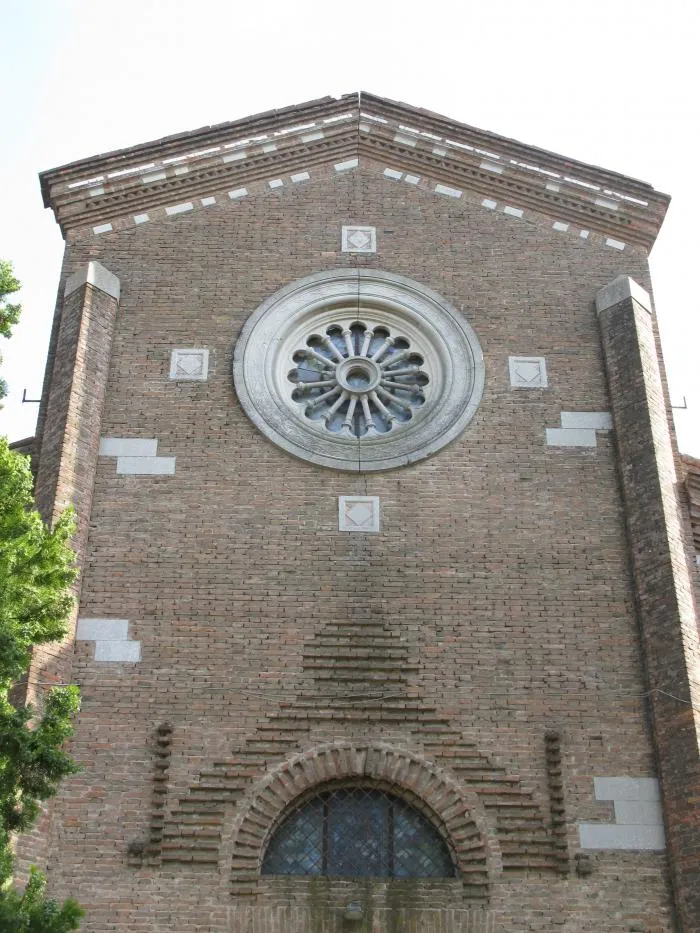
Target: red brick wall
500, 580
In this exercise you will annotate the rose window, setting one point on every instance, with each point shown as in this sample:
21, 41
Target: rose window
358, 380
357, 369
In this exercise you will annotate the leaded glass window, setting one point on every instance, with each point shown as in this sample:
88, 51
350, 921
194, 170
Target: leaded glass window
357, 832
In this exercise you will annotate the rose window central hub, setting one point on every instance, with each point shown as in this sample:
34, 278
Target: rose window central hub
358, 375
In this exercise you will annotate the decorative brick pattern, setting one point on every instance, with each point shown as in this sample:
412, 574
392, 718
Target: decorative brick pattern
557, 807
148, 851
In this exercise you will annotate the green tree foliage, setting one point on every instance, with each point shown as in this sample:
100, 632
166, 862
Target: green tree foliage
36, 572
9, 313
31, 912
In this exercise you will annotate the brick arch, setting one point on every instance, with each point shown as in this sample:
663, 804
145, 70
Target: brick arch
456, 812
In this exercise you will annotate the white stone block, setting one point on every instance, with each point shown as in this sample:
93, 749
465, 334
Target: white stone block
613, 836
359, 240
189, 365
450, 192
207, 202
558, 225
269, 147
439, 151
584, 234
358, 513
412, 179
141, 218
311, 137
96, 192
102, 629
95, 274
551, 186
300, 176
626, 788
154, 176
179, 208
489, 204
404, 140
276, 183
606, 202
527, 372
118, 652
392, 173
102, 228
238, 193
146, 466
344, 166
181, 170
616, 244
563, 437
589, 420
618, 290
491, 167
639, 813
128, 447
234, 156
513, 211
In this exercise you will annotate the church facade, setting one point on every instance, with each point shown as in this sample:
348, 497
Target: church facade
386, 612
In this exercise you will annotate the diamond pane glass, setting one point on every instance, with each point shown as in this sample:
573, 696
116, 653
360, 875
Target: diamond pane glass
357, 832
297, 846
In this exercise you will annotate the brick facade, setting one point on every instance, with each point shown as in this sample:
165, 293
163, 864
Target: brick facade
488, 655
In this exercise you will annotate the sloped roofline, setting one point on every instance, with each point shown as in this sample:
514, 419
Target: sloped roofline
354, 125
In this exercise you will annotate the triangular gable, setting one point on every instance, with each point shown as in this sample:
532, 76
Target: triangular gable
178, 173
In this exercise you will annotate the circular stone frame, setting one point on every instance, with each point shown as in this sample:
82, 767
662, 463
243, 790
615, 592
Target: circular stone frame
274, 331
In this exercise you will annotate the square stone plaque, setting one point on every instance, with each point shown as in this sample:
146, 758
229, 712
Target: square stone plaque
190, 365
359, 240
358, 513
527, 372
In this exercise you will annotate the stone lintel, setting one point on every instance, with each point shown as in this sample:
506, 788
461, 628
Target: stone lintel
95, 274
618, 290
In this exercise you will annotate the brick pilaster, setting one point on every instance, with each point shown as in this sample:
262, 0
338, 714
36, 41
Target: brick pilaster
664, 590
68, 458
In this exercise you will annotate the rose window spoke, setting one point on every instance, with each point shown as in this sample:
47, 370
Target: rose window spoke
358, 381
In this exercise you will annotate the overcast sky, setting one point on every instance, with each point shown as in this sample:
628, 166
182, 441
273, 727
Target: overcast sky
611, 82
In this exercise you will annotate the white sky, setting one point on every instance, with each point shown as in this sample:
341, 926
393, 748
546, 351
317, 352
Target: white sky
611, 82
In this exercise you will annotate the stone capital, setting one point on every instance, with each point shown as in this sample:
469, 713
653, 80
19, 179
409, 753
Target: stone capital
95, 274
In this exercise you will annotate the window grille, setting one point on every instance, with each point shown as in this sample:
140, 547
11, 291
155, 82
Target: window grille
357, 832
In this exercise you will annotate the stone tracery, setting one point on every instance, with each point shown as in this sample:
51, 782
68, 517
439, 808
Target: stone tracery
359, 380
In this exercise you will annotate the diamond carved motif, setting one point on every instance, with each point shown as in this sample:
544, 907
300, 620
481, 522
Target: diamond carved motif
527, 372
358, 513
359, 240
190, 365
